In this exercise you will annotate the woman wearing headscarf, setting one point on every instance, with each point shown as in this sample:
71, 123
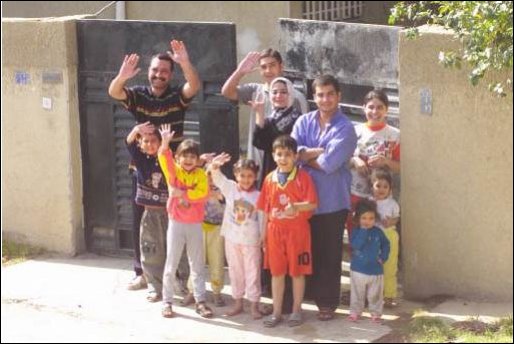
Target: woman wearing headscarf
280, 122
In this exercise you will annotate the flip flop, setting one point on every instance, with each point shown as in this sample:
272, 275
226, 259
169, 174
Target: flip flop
203, 310
272, 321
167, 311
295, 319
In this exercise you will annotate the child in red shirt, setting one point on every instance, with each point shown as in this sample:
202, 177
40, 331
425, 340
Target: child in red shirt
288, 198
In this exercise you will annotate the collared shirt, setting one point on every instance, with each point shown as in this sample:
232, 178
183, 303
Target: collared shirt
274, 198
339, 141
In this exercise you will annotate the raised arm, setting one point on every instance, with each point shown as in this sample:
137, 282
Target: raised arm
180, 56
139, 129
128, 70
246, 66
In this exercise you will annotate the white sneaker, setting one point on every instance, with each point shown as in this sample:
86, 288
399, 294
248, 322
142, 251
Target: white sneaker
139, 282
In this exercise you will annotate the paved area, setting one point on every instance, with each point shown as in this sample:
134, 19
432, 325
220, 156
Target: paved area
84, 299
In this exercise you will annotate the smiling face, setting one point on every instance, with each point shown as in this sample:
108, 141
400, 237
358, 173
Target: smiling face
159, 75
376, 111
270, 68
245, 178
279, 95
284, 158
381, 189
150, 143
188, 161
327, 98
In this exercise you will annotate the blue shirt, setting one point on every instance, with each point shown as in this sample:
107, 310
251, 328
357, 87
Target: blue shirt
339, 140
370, 250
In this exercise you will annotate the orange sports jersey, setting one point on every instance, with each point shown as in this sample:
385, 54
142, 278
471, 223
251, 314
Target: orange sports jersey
274, 198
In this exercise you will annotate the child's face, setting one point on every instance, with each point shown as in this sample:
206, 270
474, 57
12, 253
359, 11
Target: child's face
245, 178
375, 111
367, 220
188, 161
150, 144
284, 158
381, 189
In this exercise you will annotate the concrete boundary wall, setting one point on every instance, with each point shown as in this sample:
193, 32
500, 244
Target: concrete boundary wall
456, 181
41, 157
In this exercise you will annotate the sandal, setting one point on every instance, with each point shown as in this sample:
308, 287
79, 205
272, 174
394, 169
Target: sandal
204, 310
272, 321
153, 296
353, 317
295, 319
325, 314
167, 311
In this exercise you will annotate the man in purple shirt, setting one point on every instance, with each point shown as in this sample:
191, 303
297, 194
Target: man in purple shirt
326, 141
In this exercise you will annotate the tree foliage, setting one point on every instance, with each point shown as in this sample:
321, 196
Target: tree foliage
483, 27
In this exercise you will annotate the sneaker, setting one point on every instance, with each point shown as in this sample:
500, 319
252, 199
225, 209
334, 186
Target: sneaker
139, 282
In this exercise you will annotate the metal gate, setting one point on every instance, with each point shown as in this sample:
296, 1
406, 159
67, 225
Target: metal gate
210, 119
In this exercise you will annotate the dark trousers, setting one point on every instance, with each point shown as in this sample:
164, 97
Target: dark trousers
324, 285
137, 214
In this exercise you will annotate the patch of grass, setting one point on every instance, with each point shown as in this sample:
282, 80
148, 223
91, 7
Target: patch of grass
425, 329
13, 253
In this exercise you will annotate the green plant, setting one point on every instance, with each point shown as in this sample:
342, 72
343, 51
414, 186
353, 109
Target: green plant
483, 27
13, 252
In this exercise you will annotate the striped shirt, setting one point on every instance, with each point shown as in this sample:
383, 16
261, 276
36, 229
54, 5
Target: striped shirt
169, 108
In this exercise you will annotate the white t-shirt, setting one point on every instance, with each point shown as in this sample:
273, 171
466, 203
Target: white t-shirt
385, 141
241, 221
387, 208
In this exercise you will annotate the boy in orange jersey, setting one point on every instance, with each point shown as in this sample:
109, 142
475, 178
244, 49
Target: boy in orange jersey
288, 198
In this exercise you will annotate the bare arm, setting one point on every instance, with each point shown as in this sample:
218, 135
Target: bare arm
180, 56
139, 129
246, 66
258, 106
127, 71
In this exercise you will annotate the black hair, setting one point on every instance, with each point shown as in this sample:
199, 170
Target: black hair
188, 146
285, 141
165, 57
364, 206
382, 173
326, 80
378, 94
246, 164
271, 53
